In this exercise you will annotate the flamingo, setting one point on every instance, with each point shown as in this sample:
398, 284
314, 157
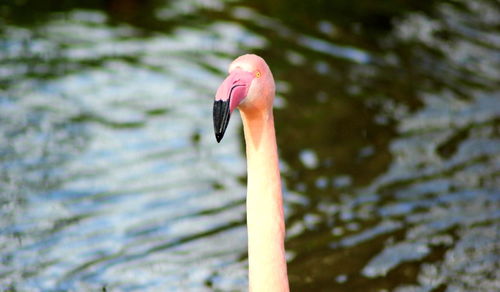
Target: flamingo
250, 88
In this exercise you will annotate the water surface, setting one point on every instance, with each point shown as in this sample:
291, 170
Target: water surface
387, 120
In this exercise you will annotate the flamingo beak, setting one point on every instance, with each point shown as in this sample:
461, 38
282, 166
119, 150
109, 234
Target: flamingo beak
221, 118
230, 94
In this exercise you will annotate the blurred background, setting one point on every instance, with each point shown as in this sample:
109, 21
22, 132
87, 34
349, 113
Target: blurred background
388, 125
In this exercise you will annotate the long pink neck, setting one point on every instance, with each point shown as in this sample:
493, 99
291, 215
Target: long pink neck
265, 223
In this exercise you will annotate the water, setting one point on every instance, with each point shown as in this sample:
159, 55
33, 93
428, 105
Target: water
387, 121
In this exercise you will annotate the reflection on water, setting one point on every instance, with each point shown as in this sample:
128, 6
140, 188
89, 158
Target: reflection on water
387, 123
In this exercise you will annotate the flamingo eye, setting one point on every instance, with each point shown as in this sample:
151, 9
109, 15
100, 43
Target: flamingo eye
257, 74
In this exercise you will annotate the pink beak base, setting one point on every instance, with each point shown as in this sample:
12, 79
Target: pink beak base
230, 94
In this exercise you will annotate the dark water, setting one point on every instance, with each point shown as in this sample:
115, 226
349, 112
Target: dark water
388, 124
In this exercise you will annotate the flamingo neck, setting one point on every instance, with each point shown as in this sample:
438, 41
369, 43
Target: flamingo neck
265, 223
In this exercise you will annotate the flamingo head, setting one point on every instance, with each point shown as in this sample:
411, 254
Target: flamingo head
249, 87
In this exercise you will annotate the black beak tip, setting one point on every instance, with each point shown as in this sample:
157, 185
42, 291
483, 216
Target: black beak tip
218, 137
221, 114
